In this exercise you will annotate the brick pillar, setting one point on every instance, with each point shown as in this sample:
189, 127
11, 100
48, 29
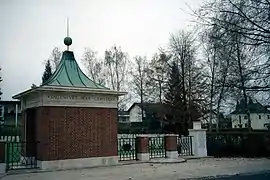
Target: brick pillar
171, 146
142, 148
2, 157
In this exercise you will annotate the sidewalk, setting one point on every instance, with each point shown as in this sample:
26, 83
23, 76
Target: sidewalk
148, 171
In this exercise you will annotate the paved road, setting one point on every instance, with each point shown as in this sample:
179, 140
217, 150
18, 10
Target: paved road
148, 171
247, 176
261, 176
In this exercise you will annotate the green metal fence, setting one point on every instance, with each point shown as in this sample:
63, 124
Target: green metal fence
16, 157
126, 149
184, 146
157, 147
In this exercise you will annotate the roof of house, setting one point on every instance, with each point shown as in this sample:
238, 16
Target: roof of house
69, 74
151, 108
148, 106
252, 107
161, 110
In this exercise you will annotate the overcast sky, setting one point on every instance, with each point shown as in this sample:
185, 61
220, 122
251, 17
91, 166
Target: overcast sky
31, 28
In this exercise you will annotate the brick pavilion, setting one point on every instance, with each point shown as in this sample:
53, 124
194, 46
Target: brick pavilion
70, 121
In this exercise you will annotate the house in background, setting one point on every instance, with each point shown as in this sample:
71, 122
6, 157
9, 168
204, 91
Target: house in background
221, 120
259, 115
141, 112
156, 116
132, 120
10, 112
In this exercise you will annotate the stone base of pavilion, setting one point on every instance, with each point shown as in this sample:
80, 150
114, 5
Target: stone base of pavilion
78, 163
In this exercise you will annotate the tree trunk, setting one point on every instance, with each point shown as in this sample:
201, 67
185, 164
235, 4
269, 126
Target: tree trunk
242, 79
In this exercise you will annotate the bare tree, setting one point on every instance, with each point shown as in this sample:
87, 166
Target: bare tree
94, 65
254, 13
182, 48
55, 58
243, 43
250, 20
157, 73
116, 62
139, 78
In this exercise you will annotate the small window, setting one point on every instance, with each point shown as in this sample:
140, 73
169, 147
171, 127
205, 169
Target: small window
268, 116
235, 126
245, 117
260, 117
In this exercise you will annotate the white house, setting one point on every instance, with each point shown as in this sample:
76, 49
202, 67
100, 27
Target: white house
154, 111
259, 115
135, 113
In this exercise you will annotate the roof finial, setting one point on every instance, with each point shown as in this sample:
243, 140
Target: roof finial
67, 27
67, 40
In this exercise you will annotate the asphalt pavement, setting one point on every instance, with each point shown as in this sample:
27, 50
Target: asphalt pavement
265, 175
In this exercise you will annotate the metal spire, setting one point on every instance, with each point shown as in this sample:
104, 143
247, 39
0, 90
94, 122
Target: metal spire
67, 27
67, 40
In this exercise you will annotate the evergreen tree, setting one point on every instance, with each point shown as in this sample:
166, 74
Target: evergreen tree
174, 99
47, 73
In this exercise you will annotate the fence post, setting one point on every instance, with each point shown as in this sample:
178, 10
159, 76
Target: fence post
199, 148
171, 146
2, 157
142, 148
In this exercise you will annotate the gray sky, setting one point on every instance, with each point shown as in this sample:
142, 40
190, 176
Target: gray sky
30, 29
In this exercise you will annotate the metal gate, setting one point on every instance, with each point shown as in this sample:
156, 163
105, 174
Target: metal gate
126, 149
157, 147
184, 145
21, 155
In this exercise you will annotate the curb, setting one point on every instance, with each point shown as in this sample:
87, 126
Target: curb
195, 157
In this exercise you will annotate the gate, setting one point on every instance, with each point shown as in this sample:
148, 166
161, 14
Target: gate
184, 145
20, 155
157, 147
126, 149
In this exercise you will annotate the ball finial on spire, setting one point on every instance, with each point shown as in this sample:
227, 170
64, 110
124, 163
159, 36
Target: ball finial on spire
67, 41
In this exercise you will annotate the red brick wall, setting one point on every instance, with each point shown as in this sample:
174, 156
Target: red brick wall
142, 144
71, 132
170, 143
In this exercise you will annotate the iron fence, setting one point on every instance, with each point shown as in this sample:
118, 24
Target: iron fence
21, 155
184, 145
238, 144
157, 147
126, 149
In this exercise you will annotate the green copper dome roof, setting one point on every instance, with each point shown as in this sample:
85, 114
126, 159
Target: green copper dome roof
69, 74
